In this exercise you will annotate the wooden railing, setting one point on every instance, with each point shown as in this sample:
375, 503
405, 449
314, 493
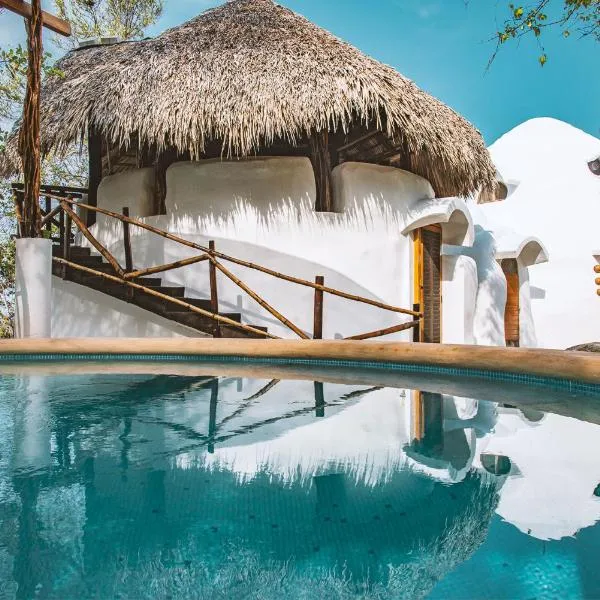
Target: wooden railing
64, 215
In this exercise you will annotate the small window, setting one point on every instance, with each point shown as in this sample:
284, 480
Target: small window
594, 166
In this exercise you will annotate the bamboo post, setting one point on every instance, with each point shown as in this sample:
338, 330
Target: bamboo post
48, 201
127, 242
19, 213
61, 229
417, 329
319, 400
81, 226
214, 294
318, 309
66, 242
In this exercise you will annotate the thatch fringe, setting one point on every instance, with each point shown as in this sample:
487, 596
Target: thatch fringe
247, 73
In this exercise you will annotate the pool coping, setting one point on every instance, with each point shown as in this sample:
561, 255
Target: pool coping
567, 369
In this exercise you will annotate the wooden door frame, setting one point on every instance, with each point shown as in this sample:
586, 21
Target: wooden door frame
418, 273
504, 266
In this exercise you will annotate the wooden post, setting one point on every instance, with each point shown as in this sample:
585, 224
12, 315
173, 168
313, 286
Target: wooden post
94, 173
66, 241
318, 310
19, 212
61, 229
319, 400
321, 162
29, 136
127, 242
214, 295
212, 417
48, 211
417, 329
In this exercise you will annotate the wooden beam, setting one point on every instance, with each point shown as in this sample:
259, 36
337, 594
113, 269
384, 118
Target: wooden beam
49, 21
94, 172
321, 163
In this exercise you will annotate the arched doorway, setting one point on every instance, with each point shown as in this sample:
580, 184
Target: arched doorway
512, 310
428, 282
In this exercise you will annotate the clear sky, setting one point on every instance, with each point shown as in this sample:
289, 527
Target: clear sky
442, 46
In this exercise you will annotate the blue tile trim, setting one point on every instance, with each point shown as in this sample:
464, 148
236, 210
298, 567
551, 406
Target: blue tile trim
500, 376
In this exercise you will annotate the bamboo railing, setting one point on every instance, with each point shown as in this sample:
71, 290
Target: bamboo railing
64, 216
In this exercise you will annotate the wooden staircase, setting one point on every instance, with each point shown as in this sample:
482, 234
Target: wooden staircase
179, 314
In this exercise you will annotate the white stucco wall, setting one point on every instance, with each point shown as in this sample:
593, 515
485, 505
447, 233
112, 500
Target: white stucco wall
214, 188
79, 311
361, 250
558, 201
262, 210
133, 189
459, 293
398, 189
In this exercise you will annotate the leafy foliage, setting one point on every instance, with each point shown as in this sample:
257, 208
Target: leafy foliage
126, 19
570, 16
89, 18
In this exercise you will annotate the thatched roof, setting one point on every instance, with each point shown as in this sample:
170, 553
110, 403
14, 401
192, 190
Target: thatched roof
246, 74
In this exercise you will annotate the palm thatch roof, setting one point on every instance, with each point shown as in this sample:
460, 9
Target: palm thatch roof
246, 75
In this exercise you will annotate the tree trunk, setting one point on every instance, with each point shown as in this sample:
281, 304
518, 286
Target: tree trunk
29, 140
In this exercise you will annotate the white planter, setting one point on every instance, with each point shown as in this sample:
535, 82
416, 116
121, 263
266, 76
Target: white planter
33, 288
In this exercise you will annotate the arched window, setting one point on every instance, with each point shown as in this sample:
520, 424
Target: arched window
594, 166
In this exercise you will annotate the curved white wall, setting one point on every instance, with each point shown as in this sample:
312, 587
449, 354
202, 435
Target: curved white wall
133, 189
558, 200
356, 184
262, 210
216, 187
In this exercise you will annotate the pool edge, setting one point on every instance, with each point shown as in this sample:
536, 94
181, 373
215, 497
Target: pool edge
487, 361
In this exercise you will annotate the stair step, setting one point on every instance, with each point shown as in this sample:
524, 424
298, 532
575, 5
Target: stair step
168, 290
151, 282
187, 317
75, 251
228, 331
87, 261
148, 302
200, 303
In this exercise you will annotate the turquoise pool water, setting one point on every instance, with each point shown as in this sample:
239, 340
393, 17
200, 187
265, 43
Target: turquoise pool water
155, 486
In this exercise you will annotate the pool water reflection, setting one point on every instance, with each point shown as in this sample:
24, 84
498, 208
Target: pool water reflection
137, 486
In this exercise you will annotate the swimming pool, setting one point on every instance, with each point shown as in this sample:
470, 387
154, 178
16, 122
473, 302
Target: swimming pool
245, 481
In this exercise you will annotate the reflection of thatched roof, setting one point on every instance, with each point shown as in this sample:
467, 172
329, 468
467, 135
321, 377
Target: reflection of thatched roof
250, 73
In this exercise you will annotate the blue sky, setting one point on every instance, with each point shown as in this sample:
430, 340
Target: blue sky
441, 45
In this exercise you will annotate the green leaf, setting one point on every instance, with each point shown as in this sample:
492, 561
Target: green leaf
518, 12
543, 59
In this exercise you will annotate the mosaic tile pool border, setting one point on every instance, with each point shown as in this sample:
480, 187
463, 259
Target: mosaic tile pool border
500, 376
